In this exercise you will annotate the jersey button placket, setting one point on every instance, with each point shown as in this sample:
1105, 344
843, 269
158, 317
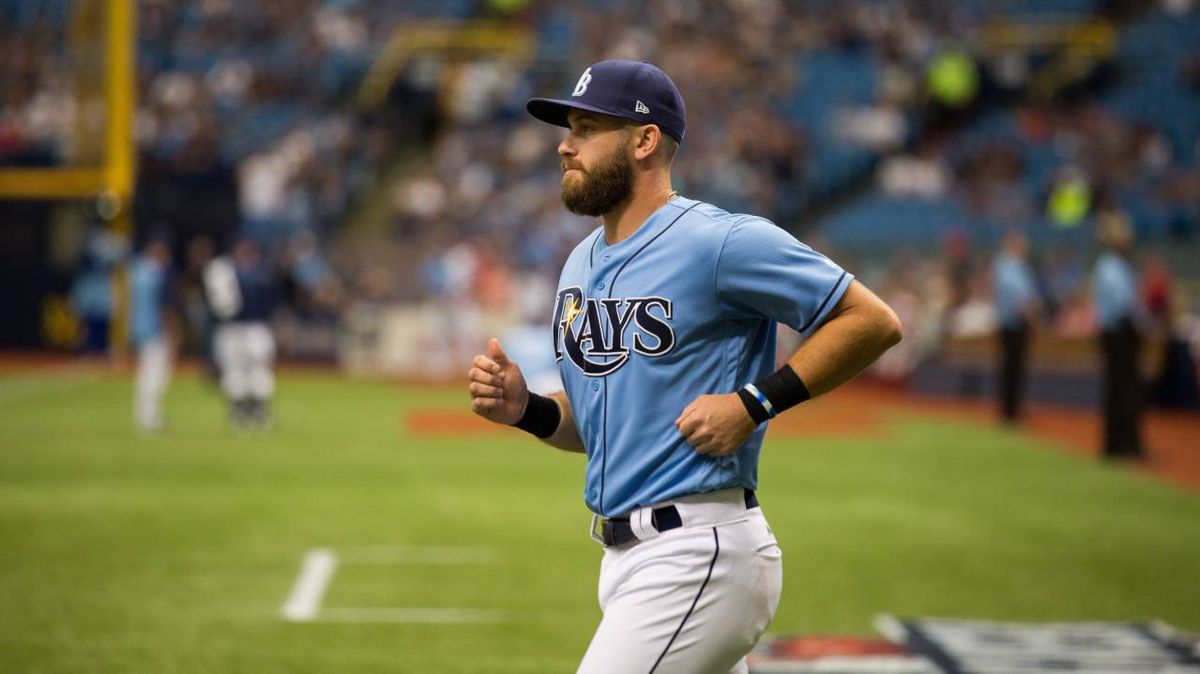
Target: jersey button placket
599, 285
595, 386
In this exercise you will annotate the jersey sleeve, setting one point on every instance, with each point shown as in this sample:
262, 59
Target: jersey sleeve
764, 272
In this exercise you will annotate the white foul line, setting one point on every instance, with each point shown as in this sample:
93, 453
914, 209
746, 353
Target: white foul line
304, 604
305, 601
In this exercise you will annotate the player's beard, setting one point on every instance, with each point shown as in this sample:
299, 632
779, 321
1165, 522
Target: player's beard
600, 190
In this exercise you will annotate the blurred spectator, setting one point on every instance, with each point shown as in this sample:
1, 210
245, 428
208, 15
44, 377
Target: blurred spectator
1017, 309
922, 176
1157, 287
952, 80
153, 330
243, 296
1175, 383
1120, 315
1070, 198
880, 128
91, 291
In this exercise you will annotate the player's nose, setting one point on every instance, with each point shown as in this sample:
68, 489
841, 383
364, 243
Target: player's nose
565, 148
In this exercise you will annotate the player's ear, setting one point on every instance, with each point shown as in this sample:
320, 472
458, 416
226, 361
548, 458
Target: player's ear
646, 140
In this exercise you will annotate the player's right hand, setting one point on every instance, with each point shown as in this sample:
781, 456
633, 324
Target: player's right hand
497, 387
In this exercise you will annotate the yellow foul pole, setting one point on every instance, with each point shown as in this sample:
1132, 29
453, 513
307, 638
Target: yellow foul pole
120, 155
120, 93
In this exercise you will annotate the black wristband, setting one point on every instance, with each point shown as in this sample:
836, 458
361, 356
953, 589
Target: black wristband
542, 416
755, 409
775, 393
783, 388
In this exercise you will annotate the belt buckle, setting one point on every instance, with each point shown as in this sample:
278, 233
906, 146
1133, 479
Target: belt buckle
596, 524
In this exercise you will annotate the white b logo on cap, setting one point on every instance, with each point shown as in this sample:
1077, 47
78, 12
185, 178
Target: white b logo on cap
582, 85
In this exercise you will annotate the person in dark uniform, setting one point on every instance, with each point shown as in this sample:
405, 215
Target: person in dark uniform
1017, 307
243, 296
1118, 311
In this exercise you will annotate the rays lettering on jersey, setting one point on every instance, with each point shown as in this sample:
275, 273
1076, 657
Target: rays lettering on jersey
584, 337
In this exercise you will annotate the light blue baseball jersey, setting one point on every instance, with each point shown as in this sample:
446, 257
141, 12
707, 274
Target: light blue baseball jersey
147, 290
1115, 290
1014, 289
686, 306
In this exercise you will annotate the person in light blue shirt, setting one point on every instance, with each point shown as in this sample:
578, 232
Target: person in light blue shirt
1017, 303
1118, 312
92, 290
1115, 288
149, 323
664, 328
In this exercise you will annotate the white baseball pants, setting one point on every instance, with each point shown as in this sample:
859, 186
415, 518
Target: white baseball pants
246, 355
692, 600
150, 384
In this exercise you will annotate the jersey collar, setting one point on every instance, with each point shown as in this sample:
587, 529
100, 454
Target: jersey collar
654, 224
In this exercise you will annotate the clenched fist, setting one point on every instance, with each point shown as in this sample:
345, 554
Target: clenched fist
497, 387
716, 425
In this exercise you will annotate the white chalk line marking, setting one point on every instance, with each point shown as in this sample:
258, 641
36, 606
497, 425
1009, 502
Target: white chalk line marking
320, 564
315, 574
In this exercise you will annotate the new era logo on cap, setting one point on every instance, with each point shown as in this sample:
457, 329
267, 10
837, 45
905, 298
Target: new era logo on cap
634, 90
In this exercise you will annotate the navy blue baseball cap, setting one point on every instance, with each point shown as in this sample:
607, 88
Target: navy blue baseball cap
633, 90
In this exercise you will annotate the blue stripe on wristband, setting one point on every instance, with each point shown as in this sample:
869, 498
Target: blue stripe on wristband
762, 399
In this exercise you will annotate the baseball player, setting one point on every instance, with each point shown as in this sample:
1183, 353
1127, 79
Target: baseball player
664, 329
152, 328
242, 295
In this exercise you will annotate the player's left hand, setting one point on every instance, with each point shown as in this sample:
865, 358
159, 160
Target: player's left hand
716, 425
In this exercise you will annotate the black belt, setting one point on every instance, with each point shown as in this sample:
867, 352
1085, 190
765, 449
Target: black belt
618, 531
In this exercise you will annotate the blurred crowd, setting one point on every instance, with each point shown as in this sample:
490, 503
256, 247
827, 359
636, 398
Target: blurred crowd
259, 87
926, 121
494, 174
250, 125
37, 102
243, 123
770, 144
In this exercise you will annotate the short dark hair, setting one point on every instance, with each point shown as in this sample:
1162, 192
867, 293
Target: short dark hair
670, 147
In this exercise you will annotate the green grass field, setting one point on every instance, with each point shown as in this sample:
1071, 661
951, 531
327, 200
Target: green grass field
171, 554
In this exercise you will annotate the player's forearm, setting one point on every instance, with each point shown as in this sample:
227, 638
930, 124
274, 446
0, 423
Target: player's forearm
861, 329
566, 436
